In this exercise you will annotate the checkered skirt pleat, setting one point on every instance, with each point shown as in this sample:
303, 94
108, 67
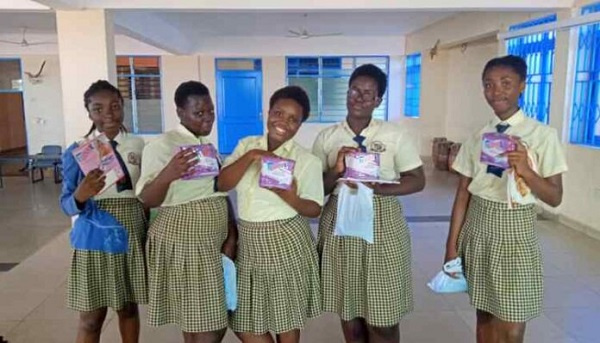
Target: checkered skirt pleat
278, 276
98, 279
502, 260
185, 267
362, 280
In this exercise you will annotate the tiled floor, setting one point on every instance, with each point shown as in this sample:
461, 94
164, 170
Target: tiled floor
32, 293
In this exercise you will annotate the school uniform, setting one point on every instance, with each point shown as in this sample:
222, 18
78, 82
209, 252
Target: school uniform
277, 263
98, 278
362, 280
184, 243
499, 246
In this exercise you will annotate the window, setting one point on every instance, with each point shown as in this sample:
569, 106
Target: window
538, 51
412, 95
139, 82
10, 75
325, 80
585, 126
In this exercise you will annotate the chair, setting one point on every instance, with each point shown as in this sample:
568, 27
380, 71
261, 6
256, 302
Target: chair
39, 162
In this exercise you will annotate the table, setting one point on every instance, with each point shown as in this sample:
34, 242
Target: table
28, 161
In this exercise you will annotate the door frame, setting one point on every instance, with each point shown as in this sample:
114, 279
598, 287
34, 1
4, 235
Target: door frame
22, 92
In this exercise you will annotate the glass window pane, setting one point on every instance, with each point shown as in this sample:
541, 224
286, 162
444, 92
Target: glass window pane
326, 81
10, 75
128, 115
148, 104
236, 64
311, 87
334, 99
146, 65
124, 85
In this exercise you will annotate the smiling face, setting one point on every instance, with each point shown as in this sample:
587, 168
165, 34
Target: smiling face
105, 109
198, 114
285, 118
502, 87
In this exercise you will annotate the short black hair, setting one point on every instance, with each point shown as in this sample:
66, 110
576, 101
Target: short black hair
187, 89
372, 71
294, 93
516, 63
97, 87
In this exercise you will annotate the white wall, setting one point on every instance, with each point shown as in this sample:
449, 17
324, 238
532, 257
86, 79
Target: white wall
273, 51
42, 103
452, 102
282, 46
124, 45
581, 198
208, 78
466, 108
175, 70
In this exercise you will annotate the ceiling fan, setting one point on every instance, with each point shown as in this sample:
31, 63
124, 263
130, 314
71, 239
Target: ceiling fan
24, 42
303, 33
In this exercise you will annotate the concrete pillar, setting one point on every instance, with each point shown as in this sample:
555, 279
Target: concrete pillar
87, 54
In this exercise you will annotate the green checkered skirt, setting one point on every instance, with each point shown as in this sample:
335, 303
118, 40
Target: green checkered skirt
98, 279
362, 280
185, 268
502, 260
278, 276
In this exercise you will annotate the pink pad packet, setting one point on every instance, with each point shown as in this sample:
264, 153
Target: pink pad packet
362, 166
208, 161
97, 153
494, 147
276, 172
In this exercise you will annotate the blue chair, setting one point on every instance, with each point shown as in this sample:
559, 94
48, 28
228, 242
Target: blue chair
53, 152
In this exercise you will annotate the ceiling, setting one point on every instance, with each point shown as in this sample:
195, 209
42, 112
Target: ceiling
250, 23
36, 22
186, 26
349, 23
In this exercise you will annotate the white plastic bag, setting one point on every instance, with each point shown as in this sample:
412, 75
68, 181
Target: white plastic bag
443, 283
355, 212
229, 273
517, 190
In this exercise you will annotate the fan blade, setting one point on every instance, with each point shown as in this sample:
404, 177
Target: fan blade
326, 34
10, 42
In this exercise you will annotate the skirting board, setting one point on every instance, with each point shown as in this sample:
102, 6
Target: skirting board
569, 222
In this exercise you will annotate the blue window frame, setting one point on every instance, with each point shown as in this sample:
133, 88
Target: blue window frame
325, 80
412, 94
139, 80
585, 114
538, 51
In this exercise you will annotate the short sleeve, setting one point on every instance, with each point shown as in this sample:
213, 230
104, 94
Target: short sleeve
551, 156
310, 181
155, 158
406, 156
464, 163
318, 150
239, 151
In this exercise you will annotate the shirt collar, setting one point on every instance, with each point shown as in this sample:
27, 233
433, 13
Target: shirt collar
373, 124
184, 131
514, 120
118, 138
286, 146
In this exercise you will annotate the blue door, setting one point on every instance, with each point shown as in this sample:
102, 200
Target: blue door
239, 107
